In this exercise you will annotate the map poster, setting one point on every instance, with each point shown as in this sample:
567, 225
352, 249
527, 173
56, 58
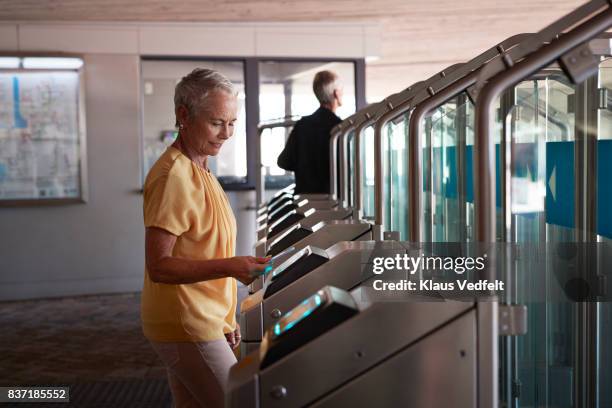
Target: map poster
39, 135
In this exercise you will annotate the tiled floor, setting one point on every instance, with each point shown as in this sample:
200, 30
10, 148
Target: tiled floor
73, 340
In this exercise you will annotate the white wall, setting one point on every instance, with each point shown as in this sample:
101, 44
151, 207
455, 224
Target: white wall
98, 247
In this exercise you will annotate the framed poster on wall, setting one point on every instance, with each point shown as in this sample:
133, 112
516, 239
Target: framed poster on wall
42, 130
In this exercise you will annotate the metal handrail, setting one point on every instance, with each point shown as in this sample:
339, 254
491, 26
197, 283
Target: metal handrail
340, 135
416, 130
508, 75
544, 36
411, 97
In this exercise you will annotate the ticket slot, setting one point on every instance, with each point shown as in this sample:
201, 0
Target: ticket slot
300, 264
281, 201
288, 238
284, 222
316, 315
280, 211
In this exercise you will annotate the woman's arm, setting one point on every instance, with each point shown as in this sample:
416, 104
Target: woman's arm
165, 268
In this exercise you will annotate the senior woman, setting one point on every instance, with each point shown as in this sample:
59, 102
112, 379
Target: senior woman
189, 297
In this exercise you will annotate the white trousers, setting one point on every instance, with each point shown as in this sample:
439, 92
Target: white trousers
197, 372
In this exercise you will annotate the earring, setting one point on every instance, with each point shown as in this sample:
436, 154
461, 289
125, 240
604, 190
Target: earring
181, 126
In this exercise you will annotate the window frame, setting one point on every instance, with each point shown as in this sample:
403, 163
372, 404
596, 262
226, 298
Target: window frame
251, 90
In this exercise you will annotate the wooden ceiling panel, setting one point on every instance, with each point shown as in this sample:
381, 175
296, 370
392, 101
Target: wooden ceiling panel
418, 37
268, 10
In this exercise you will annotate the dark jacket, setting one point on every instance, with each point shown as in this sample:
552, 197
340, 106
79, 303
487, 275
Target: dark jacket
307, 151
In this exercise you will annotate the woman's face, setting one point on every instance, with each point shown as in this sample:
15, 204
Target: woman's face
213, 125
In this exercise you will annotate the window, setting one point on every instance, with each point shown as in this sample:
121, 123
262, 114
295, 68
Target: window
285, 90
267, 90
159, 77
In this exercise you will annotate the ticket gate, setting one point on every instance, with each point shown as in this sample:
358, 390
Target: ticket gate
280, 208
304, 273
288, 197
307, 219
290, 189
321, 235
351, 350
279, 195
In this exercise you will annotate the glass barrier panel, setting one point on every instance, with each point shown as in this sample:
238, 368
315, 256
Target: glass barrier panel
446, 206
447, 172
367, 171
351, 168
541, 204
396, 184
387, 157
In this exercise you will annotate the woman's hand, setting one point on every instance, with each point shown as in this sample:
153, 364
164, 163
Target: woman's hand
233, 338
163, 267
246, 268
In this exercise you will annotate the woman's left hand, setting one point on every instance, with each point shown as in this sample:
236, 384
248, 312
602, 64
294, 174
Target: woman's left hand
233, 338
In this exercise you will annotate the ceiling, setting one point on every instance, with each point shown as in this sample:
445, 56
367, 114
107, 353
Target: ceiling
419, 38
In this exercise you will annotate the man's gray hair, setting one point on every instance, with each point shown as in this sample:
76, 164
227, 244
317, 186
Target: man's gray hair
193, 89
324, 85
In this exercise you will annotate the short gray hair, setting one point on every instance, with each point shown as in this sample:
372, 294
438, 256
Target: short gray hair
324, 85
193, 89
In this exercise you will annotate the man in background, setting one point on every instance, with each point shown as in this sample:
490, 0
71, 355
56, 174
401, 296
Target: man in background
307, 150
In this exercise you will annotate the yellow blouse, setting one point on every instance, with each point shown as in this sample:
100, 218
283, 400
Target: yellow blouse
189, 202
